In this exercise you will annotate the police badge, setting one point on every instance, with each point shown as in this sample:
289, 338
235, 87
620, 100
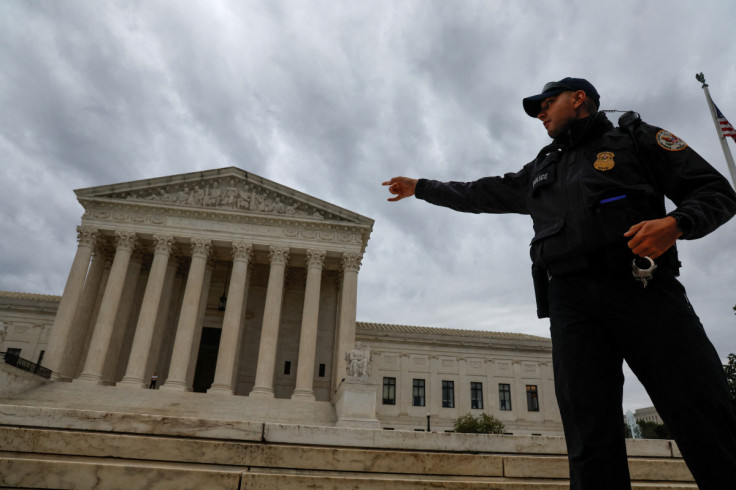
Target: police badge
604, 161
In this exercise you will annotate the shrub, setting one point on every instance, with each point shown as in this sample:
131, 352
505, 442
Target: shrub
483, 424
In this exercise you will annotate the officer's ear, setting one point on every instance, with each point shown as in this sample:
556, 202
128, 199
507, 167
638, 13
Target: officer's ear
579, 103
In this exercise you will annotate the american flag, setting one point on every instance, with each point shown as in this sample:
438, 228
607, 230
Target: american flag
726, 127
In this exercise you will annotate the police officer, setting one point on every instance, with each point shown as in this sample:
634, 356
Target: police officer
605, 267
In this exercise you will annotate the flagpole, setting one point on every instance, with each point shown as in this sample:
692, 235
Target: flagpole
724, 144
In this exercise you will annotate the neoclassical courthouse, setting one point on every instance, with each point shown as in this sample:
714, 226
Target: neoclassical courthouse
233, 287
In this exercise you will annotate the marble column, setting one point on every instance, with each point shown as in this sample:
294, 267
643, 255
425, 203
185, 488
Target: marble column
263, 386
199, 324
95, 313
122, 319
83, 318
185, 330
346, 319
308, 337
135, 374
100, 343
62, 326
231, 323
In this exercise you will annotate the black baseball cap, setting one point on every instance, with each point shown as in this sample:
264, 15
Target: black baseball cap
533, 104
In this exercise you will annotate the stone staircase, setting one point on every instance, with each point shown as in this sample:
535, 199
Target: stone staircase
51, 447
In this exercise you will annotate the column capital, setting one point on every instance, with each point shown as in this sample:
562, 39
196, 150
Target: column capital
242, 251
315, 259
87, 235
201, 247
125, 240
278, 255
163, 244
351, 262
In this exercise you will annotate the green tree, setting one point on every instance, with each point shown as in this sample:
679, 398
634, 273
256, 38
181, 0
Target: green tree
653, 430
730, 370
483, 424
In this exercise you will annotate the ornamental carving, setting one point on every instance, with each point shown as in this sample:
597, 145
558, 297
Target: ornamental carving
125, 240
315, 258
230, 194
201, 247
242, 251
163, 244
278, 255
87, 236
351, 262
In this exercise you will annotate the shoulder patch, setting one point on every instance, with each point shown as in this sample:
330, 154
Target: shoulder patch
669, 141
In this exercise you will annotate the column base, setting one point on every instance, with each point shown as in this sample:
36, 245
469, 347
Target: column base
302, 394
261, 392
173, 385
132, 383
220, 390
89, 378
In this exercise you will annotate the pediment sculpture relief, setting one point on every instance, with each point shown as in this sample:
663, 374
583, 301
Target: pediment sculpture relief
232, 194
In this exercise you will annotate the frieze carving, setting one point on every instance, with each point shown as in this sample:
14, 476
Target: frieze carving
229, 194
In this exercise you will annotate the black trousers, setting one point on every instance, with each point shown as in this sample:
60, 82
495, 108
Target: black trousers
597, 322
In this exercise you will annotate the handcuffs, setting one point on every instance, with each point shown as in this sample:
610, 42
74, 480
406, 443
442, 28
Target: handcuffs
643, 274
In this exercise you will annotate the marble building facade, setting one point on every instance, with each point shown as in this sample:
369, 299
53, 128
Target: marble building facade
225, 283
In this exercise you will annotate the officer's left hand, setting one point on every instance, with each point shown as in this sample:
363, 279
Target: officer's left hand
654, 237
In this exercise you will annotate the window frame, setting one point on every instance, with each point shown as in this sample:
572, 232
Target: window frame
504, 397
532, 398
476, 395
418, 385
389, 391
448, 393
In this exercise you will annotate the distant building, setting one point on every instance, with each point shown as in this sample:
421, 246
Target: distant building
648, 414
223, 282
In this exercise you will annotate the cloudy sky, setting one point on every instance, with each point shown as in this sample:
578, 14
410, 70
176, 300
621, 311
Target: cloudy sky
331, 98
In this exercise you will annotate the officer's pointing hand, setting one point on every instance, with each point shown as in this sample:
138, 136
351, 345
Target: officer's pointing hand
401, 187
654, 237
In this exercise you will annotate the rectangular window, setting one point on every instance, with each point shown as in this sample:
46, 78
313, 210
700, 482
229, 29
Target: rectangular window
389, 391
287, 367
12, 352
321, 370
504, 396
418, 393
476, 395
532, 398
448, 394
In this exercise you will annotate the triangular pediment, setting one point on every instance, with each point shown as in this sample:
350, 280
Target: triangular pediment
228, 189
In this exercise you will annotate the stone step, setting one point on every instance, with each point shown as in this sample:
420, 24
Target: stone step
60, 472
80, 395
273, 465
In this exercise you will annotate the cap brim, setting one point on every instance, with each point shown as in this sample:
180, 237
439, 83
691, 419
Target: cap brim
533, 104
